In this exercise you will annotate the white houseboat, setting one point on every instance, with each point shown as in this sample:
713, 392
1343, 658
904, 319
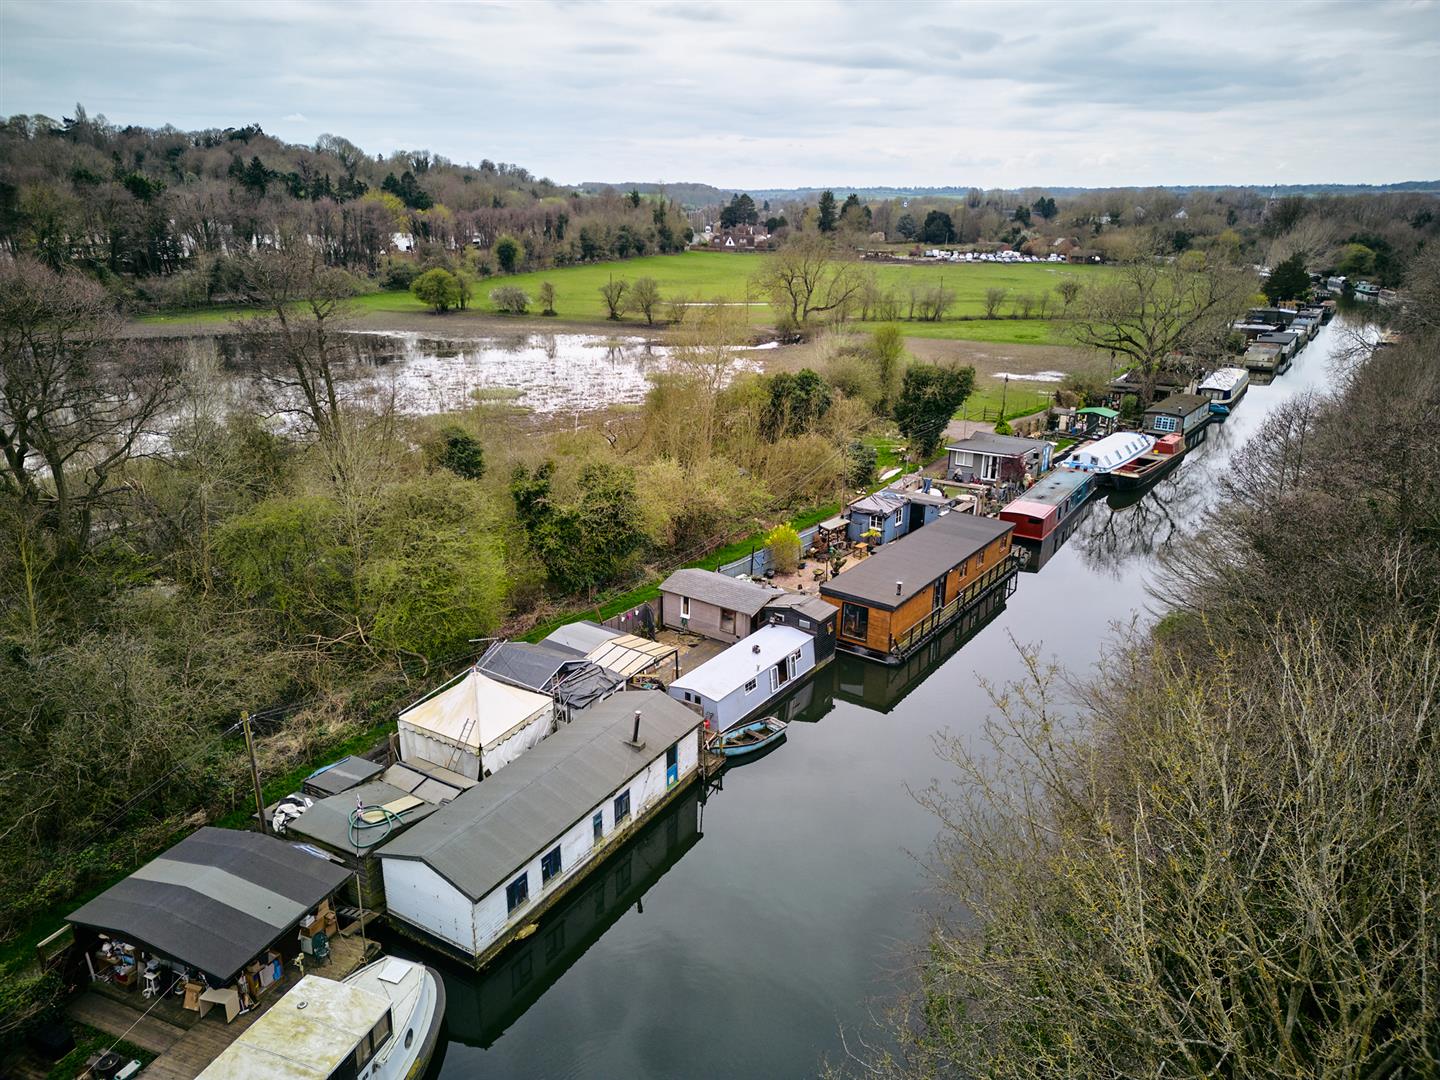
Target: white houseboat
1109, 453
746, 677
381, 1023
1225, 386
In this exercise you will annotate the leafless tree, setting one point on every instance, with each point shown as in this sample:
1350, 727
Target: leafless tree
1153, 308
76, 403
645, 298
1068, 288
810, 276
614, 294
994, 297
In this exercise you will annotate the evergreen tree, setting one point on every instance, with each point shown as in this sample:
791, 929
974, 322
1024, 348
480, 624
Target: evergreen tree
828, 214
1288, 281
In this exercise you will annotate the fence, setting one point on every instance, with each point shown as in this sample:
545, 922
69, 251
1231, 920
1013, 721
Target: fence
642, 619
758, 562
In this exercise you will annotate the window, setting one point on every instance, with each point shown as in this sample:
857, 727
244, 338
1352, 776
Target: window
684, 607
806, 624
517, 892
877, 522
980, 559
597, 823
549, 865
622, 807
727, 621
1165, 423
899, 517
937, 595
750, 687
854, 621
779, 675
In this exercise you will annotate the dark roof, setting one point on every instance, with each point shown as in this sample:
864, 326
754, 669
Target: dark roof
984, 442
1179, 405
532, 667
328, 821
216, 900
583, 636
718, 589
915, 560
806, 604
478, 841
342, 775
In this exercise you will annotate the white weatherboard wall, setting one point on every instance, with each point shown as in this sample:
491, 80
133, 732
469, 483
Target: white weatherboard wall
425, 899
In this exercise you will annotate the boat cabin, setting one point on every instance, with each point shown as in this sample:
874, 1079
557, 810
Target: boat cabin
895, 510
1038, 512
745, 678
711, 604
1178, 412
1225, 386
1109, 452
895, 600
997, 459
322, 1028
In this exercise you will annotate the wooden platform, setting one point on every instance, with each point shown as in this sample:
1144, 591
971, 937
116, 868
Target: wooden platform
185, 1052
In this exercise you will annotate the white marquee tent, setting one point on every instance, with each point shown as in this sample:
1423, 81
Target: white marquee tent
474, 725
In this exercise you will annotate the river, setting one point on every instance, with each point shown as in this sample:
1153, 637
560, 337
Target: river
741, 937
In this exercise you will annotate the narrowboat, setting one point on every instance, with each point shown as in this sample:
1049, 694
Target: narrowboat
1150, 466
1043, 515
1108, 453
1225, 386
1183, 414
748, 738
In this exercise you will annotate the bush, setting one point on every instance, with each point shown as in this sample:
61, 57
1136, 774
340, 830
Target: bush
1003, 428
783, 545
510, 300
399, 274
438, 288
456, 449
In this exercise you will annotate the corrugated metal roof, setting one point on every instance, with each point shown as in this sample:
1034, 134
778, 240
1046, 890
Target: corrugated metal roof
805, 603
626, 654
520, 663
482, 838
915, 560
216, 900
718, 589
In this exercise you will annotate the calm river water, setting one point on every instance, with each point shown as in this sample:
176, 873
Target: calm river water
738, 938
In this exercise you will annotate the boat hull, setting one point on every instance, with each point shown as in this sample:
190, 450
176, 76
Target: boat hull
1134, 481
774, 729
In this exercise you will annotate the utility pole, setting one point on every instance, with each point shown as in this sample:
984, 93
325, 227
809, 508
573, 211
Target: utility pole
254, 772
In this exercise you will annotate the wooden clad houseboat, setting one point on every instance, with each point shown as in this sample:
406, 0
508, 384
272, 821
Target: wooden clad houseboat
898, 598
1044, 515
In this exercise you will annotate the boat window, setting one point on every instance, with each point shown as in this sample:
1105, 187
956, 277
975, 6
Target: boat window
795, 657
622, 806
750, 687
854, 620
409, 1038
597, 825
549, 865
1166, 423
517, 892
379, 1034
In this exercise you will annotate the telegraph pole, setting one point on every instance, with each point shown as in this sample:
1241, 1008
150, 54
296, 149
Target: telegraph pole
254, 772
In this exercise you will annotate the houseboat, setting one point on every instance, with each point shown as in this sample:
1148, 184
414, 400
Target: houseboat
1044, 516
381, 1023
987, 458
897, 599
1183, 414
1267, 358
1108, 453
1150, 466
479, 871
1225, 386
744, 679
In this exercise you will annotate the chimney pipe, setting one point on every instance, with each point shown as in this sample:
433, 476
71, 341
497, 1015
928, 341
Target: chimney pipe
899, 588
635, 737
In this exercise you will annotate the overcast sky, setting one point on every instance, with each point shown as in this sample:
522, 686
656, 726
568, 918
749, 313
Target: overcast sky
774, 94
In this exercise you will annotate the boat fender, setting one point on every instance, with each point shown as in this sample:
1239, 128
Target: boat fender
527, 931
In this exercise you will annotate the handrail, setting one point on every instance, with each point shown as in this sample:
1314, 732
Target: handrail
1007, 566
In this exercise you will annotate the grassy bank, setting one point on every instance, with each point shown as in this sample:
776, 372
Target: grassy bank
710, 275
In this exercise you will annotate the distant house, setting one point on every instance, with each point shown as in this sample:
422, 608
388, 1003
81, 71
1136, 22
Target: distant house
989, 459
741, 238
1167, 381
711, 604
895, 510
1183, 413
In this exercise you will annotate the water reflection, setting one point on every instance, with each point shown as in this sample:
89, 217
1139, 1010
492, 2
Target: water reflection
481, 1006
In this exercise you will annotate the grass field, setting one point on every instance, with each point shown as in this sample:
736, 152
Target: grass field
712, 275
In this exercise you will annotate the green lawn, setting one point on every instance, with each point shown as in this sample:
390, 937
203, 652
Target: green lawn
711, 275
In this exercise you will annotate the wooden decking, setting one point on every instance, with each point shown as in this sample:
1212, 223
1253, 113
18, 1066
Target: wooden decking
185, 1052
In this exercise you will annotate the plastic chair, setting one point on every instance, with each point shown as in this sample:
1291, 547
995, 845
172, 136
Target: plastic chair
152, 983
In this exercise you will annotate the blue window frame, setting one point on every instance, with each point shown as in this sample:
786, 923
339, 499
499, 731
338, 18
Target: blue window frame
598, 824
549, 865
517, 892
622, 807
672, 765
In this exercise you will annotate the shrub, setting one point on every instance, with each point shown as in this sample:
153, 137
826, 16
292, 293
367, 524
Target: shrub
438, 288
783, 544
510, 300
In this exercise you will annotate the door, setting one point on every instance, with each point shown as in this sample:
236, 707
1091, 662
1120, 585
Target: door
779, 675
917, 517
989, 467
937, 595
672, 766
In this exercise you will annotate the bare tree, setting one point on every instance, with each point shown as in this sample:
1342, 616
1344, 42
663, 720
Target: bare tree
809, 276
614, 294
75, 404
1068, 288
1153, 308
994, 297
302, 305
645, 298
1024, 305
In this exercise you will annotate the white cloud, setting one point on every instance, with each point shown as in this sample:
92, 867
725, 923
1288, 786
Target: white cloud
738, 94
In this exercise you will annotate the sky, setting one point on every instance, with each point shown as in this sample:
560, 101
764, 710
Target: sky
774, 94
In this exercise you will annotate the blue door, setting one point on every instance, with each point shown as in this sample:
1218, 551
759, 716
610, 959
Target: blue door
672, 765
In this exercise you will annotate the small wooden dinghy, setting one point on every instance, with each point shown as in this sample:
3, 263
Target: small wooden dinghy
748, 737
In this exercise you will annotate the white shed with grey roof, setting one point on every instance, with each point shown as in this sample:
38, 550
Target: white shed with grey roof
480, 868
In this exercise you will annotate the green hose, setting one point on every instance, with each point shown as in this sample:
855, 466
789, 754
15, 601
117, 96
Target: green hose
367, 833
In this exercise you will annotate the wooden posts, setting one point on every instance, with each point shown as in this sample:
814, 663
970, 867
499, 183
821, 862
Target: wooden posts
254, 772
